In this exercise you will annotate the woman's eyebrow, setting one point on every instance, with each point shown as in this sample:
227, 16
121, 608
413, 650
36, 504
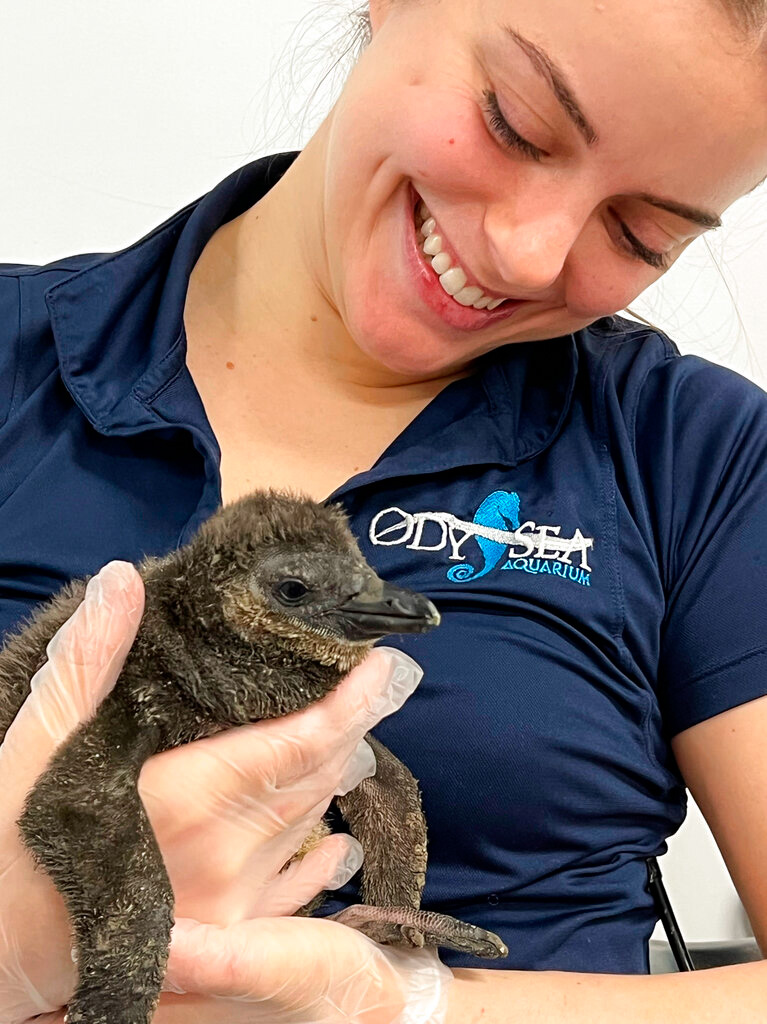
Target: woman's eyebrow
706, 220
557, 81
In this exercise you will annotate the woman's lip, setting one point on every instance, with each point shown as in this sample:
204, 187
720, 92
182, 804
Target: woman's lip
471, 282
432, 293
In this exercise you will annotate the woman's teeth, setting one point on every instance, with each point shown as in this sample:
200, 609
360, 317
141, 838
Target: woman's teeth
452, 278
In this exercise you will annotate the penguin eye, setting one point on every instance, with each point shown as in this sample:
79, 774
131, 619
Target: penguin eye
291, 591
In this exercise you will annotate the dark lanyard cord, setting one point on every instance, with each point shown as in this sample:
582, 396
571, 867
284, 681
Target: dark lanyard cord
675, 940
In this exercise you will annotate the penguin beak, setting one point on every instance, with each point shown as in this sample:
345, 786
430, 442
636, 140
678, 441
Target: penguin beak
382, 609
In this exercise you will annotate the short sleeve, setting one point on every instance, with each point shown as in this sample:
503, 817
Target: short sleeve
701, 443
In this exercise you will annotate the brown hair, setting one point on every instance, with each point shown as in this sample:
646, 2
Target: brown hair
748, 16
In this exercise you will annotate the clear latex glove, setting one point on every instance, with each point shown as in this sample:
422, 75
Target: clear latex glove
84, 661
228, 811
294, 970
297, 971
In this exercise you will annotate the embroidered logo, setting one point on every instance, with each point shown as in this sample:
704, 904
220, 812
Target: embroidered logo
497, 532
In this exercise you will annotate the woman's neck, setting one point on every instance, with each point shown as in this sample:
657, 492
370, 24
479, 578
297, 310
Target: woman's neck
259, 283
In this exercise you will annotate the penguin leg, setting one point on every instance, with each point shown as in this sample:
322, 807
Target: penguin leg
85, 825
384, 813
318, 833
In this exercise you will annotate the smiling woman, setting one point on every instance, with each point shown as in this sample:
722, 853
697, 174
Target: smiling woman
414, 316
518, 141
746, 16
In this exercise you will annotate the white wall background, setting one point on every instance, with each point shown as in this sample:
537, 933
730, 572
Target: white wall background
115, 114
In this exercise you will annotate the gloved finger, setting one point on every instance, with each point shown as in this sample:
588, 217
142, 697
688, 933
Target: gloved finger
282, 818
301, 804
271, 959
361, 765
331, 864
280, 751
376, 688
257, 880
292, 812
85, 658
282, 970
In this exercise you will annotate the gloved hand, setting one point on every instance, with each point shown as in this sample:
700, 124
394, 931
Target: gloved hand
295, 970
84, 660
228, 811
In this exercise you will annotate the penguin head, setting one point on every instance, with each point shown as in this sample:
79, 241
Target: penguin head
278, 566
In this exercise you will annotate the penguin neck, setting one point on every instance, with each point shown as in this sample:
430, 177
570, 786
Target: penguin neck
304, 649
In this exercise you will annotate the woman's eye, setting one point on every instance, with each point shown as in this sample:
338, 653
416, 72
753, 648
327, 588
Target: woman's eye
659, 260
502, 128
291, 591
504, 131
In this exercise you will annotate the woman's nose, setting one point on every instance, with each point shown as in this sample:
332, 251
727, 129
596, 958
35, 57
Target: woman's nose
531, 248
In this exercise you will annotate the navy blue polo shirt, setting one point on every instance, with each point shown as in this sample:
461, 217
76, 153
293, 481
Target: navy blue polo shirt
589, 514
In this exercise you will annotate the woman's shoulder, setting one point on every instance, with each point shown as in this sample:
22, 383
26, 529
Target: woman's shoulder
688, 437
654, 387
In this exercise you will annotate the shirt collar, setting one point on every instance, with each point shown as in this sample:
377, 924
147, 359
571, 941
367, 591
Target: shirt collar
118, 322
119, 333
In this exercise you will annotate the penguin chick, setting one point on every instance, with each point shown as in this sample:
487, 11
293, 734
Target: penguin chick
260, 615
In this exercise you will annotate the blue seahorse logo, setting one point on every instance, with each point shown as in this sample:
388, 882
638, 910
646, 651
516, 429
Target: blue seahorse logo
499, 510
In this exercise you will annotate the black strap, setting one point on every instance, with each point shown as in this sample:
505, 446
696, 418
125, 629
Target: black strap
663, 905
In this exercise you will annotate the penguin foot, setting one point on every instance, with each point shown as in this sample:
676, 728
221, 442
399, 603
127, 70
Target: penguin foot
408, 929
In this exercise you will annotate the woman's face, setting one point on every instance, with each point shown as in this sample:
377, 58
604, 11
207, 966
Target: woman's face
649, 100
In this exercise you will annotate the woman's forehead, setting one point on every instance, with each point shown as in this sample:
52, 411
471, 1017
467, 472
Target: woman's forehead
673, 88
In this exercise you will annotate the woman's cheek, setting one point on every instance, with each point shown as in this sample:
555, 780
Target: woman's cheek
599, 281
446, 149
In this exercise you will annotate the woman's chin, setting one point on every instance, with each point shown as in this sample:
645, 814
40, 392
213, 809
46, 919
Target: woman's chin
413, 357
420, 365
